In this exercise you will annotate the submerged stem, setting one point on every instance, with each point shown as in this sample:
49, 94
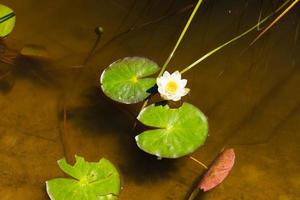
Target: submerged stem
232, 40
275, 21
194, 194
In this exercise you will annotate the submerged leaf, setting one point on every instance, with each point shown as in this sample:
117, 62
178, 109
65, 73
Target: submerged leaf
218, 171
124, 80
180, 131
7, 20
92, 181
35, 51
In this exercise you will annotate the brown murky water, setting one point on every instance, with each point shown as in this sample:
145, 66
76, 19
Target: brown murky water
250, 95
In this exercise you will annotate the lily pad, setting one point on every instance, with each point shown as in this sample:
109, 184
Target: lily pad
127, 81
92, 181
180, 131
7, 20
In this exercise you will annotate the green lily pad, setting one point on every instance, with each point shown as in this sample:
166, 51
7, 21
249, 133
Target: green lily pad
92, 181
180, 131
7, 20
125, 80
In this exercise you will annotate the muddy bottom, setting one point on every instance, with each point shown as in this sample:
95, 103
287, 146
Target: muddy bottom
55, 108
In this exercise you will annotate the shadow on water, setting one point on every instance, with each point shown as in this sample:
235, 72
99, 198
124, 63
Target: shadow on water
15, 66
98, 114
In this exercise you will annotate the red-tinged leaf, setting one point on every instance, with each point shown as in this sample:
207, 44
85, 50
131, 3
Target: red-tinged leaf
218, 171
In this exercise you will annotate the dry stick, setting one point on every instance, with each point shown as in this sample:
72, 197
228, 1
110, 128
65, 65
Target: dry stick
143, 25
198, 162
126, 16
194, 194
196, 190
275, 21
99, 31
176, 46
260, 14
65, 136
231, 41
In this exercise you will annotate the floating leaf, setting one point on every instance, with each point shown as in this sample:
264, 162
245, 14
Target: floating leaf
7, 20
218, 171
179, 132
92, 181
124, 80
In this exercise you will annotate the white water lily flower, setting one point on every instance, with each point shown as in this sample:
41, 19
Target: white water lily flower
171, 86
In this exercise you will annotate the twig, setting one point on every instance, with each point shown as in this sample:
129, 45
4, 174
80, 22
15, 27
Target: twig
197, 161
275, 21
99, 31
63, 133
230, 41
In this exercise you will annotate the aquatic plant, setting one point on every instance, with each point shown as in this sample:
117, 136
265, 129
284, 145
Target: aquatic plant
292, 5
7, 20
127, 81
217, 172
180, 131
177, 131
172, 132
90, 180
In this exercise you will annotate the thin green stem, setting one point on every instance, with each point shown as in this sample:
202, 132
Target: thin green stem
180, 38
232, 40
175, 47
7, 17
275, 21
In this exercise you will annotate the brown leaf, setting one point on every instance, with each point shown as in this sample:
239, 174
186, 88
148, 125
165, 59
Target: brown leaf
218, 171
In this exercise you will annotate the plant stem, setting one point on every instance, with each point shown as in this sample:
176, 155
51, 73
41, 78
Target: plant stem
175, 47
99, 31
275, 21
180, 38
194, 194
198, 162
232, 40
7, 17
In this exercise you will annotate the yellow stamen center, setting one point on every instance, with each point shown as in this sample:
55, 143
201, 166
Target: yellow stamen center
171, 87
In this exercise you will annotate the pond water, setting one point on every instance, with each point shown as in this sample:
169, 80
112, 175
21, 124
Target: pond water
55, 108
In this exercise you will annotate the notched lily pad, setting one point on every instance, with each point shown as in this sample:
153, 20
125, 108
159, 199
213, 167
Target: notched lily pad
7, 20
127, 81
179, 132
91, 181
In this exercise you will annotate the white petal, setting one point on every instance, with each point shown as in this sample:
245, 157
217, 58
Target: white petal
166, 74
176, 75
176, 98
186, 90
183, 83
161, 90
159, 81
